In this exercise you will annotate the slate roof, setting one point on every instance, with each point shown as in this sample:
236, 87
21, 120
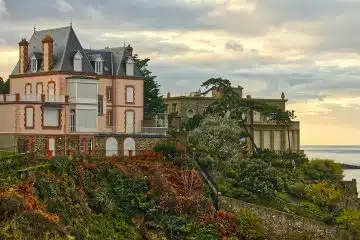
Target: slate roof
66, 45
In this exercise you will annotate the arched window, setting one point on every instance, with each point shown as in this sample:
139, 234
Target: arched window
51, 88
129, 147
78, 62
130, 67
28, 89
39, 88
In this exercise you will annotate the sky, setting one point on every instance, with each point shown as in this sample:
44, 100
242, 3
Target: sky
308, 49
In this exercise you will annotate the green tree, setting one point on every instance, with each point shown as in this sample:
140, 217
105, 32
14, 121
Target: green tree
230, 104
153, 100
193, 122
349, 221
219, 137
4, 86
323, 169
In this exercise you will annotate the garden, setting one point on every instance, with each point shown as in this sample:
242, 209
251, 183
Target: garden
141, 197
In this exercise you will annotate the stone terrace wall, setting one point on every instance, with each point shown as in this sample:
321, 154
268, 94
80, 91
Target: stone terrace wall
280, 225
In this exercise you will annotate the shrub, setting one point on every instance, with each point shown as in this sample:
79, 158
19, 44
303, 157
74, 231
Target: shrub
10, 206
167, 147
60, 165
349, 221
297, 189
250, 226
322, 193
323, 169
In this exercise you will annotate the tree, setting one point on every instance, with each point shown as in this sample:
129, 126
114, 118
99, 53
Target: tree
231, 105
193, 122
323, 169
219, 137
323, 193
4, 86
153, 101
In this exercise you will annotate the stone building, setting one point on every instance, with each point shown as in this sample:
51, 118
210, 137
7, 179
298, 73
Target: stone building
67, 98
267, 135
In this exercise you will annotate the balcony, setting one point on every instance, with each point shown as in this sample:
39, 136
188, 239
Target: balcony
17, 98
147, 131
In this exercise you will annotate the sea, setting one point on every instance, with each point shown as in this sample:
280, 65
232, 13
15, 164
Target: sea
341, 154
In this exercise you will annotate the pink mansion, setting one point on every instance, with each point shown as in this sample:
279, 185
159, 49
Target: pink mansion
65, 98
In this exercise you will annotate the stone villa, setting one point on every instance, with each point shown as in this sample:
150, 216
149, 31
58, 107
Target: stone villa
267, 135
65, 98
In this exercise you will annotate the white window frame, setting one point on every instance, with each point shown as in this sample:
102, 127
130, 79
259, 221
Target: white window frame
130, 67
28, 89
29, 120
37, 88
78, 62
130, 98
34, 64
72, 120
99, 65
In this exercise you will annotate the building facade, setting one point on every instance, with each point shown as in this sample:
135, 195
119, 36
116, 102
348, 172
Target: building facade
63, 97
267, 135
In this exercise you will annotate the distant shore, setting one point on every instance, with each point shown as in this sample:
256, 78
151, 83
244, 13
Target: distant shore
349, 166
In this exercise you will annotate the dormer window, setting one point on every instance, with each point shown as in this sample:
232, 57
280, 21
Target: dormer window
34, 64
99, 65
130, 67
78, 62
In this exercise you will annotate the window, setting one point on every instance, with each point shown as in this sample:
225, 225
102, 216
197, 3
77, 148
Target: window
100, 105
34, 65
90, 144
130, 90
51, 88
99, 66
28, 89
51, 117
129, 121
39, 88
78, 62
109, 94
173, 108
51, 146
82, 145
72, 120
109, 118
29, 117
130, 67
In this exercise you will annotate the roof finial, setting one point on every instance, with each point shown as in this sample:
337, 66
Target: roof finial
70, 21
34, 28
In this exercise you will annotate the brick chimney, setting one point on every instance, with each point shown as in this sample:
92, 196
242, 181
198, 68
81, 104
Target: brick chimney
23, 56
129, 50
48, 46
216, 93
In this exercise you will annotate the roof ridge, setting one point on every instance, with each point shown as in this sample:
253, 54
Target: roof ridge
52, 29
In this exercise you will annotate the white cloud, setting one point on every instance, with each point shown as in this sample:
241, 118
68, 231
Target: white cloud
63, 6
3, 8
94, 12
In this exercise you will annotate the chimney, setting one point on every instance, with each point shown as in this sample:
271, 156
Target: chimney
129, 50
48, 46
23, 55
216, 93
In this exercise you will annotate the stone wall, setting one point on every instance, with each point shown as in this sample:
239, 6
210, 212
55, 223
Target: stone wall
280, 225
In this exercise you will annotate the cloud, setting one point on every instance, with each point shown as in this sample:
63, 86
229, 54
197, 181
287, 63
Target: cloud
63, 6
3, 8
232, 45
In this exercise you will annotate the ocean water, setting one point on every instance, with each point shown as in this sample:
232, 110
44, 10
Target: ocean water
341, 154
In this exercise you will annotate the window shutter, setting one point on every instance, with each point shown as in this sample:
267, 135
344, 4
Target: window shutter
129, 122
104, 106
129, 94
29, 117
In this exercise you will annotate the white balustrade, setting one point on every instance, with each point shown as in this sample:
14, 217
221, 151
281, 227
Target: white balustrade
1, 98
10, 97
30, 98
55, 98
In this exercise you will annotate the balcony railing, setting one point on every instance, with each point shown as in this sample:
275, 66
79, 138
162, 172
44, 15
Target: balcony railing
143, 130
14, 98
